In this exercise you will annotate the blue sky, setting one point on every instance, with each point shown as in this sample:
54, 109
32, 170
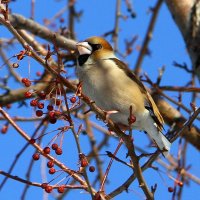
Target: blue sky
167, 46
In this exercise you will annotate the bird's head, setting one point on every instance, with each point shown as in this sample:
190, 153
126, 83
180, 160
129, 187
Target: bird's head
93, 49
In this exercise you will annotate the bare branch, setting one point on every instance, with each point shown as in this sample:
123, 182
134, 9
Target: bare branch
148, 37
20, 22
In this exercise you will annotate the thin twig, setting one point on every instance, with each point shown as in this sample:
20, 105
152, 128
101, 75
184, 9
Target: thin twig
118, 160
39, 184
180, 89
94, 148
102, 189
187, 124
29, 170
21, 22
33, 9
71, 18
15, 75
116, 27
148, 37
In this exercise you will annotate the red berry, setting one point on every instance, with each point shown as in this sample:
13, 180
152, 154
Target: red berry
32, 141
53, 120
83, 160
170, 189
44, 185
62, 20
38, 73
59, 151
39, 113
20, 55
27, 94
50, 164
54, 146
58, 102
27, 84
50, 107
47, 150
73, 99
52, 170
33, 102
4, 129
91, 168
24, 80
61, 189
40, 105
42, 95
36, 156
48, 189
52, 114
180, 184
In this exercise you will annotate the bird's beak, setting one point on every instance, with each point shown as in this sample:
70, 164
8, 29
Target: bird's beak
84, 48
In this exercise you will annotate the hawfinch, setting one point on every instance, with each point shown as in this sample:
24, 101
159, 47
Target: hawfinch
113, 87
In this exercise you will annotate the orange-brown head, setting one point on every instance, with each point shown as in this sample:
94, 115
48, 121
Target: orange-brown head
94, 47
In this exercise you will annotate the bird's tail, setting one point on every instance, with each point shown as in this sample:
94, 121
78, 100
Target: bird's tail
161, 141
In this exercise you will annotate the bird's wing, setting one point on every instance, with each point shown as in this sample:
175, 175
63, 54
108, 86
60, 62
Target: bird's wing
154, 112
129, 73
150, 104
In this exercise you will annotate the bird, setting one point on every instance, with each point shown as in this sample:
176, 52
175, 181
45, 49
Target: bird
114, 87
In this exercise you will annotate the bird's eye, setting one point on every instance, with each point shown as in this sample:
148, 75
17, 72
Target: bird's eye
96, 47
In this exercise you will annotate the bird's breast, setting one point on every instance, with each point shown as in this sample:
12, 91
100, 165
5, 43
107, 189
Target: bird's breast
111, 89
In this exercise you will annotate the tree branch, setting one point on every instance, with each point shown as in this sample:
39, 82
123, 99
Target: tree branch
186, 15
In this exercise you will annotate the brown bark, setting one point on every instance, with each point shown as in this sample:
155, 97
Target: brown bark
186, 15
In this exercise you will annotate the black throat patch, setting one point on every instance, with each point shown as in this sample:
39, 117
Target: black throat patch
82, 59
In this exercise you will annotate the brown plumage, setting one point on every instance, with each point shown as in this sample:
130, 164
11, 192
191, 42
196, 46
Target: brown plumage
156, 114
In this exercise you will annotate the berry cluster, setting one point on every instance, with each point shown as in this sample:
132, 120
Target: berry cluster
49, 103
50, 165
84, 162
48, 188
47, 150
39, 105
26, 82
